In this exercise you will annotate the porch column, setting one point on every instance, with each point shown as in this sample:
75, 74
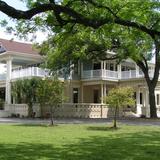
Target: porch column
79, 68
137, 70
138, 106
8, 81
146, 103
119, 68
105, 90
81, 93
102, 66
102, 91
104, 69
81, 64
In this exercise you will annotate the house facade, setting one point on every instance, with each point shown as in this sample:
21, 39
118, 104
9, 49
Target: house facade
96, 79
84, 87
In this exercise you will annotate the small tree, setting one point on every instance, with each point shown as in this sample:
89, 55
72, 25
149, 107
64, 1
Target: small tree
118, 98
50, 92
24, 91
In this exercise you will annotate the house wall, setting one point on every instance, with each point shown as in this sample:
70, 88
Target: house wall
68, 90
64, 111
88, 93
133, 83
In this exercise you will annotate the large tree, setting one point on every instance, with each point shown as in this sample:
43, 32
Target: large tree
137, 17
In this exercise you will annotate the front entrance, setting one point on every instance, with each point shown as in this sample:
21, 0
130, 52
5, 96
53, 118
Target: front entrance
2, 98
75, 95
96, 96
2, 93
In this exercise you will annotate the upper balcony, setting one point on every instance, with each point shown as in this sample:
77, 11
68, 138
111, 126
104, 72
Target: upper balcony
112, 75
99, 74
110, 70
26, 72
29, 72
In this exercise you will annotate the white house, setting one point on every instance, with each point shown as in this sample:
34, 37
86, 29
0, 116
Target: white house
85, 86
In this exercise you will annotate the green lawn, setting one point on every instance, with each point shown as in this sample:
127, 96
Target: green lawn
79, 142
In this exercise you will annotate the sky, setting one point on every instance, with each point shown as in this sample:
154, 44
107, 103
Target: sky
18, 5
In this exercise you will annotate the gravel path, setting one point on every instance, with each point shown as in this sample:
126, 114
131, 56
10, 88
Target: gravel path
135, 121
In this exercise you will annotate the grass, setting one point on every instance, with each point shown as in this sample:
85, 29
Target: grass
79, 142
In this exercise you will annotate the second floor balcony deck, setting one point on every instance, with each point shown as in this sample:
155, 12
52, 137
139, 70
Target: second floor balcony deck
26, 72
86, 75
113, 75
29, 72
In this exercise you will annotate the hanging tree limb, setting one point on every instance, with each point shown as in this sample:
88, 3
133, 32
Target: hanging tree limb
74, 16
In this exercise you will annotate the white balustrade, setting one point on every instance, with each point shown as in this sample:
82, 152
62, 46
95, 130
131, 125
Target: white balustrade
111, 74
88, 74
91, 74
28, 72
129, 74
108, 74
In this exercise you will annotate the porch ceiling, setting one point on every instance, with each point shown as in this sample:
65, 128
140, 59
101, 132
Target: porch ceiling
87, 83
20, 58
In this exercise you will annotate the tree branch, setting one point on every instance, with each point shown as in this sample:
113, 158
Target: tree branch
101, 6
75, 16
157, 62
144, 69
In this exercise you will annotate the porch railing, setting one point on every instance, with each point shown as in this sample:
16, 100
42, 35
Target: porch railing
28, 72
108, 74
91, 74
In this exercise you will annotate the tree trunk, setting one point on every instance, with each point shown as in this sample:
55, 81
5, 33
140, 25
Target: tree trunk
51, 115
30, 110
42, 111
115, 118
152, 102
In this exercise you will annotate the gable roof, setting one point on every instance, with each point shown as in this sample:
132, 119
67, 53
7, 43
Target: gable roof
13, 46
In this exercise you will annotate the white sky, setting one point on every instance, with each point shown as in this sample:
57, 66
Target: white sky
18, 5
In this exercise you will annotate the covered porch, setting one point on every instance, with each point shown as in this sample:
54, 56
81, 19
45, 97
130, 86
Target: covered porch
18, 65
95, 92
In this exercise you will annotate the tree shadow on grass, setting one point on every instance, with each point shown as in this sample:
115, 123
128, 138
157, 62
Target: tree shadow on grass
102, 128
35, 125
134, 146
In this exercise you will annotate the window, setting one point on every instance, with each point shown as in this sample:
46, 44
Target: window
157, 99
116, 67
107, 66
75, 95
141, 98
96, 66
111, 66
123, 68
96, 96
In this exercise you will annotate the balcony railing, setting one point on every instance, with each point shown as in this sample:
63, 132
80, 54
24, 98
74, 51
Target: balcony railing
29, 72
107, 74
94, 74
88, 74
